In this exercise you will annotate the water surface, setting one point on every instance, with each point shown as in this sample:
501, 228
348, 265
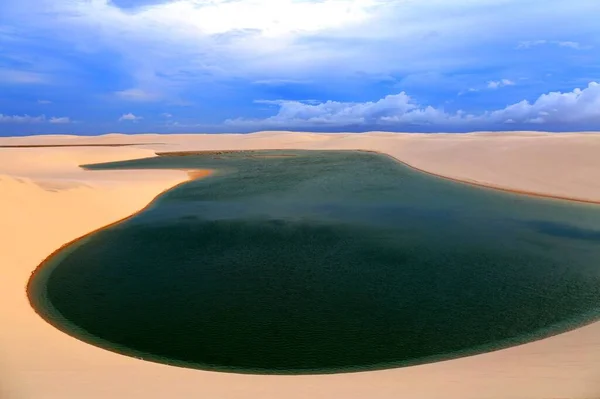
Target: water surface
319, 262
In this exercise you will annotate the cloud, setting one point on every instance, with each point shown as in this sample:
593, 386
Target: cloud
577, 106
44, 102
532, 43
166, 46
494, 84
22, 77
166, 115
60, 121
174, 50
21, 118
179, 41
469, 90
125, 4
268, 17
491, 84
279, 102
336, 113
137, 95
573, 45
279, 82
32, 119
215, 54
130, 117
186, 125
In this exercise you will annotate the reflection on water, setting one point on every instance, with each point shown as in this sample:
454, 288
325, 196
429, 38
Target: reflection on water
565, 230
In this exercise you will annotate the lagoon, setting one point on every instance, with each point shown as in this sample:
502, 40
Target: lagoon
295, 262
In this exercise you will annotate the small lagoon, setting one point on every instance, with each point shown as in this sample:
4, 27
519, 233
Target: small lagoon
296, 262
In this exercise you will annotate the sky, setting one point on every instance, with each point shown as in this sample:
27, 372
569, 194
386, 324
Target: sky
173, 66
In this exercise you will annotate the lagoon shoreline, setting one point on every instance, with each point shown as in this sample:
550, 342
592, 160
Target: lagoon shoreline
494, 186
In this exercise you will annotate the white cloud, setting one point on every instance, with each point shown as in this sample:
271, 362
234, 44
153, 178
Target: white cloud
44, 102
137, 95
578, 106
166, 115
60, 121
494, 84
395, 107
532, 43
32, 119
271, 18
130, 117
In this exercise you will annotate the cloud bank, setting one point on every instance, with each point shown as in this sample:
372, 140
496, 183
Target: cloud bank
577, 106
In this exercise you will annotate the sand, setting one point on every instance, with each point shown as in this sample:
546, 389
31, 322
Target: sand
46, 200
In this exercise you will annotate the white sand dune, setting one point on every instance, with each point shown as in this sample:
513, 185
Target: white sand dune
46, 200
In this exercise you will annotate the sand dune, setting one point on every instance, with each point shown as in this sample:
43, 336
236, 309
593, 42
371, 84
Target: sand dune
46, 200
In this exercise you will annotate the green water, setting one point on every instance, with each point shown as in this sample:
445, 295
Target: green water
324, 262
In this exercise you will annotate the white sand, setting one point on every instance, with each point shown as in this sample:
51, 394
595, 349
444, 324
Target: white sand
46, 201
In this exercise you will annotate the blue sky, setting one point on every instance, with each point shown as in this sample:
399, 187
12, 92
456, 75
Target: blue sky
102, 66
